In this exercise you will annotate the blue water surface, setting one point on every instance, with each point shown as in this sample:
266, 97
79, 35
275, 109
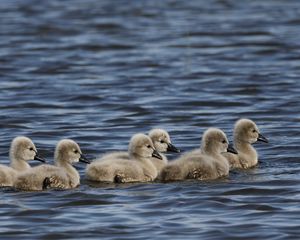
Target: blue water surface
100, 71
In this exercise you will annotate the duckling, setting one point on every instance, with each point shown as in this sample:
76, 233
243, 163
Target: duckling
63, 175
162, 143
138, 168
206, 163
22, 149
245, 133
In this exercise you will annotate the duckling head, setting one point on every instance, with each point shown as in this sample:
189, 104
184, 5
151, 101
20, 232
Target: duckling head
68, 151
142, 146
246, 130
23, 149
162, 141
214, 141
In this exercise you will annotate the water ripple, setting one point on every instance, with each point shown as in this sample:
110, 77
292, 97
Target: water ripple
100, 71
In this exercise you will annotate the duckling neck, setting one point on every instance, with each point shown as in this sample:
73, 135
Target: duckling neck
243, 146
158, 163
71, 172
247, 154
210, 152
19, 165
134, 156
140, 158
216, 155
148, 166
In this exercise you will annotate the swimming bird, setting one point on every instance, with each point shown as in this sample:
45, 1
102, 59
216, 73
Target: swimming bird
204, 163
138, 168
245, 134
22, 149
63, 175
162, 143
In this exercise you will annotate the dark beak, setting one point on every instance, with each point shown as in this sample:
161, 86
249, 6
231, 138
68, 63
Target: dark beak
38, 158
84, 159
156, 155
262, 138
231, 149
172, 148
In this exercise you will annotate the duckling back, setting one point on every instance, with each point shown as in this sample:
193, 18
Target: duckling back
112, 169
7, 176
33, 179
159, 164
191, 165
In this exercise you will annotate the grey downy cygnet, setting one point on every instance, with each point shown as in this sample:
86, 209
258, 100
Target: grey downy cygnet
245, 134
206, 163
63, 175
22, 149
138, 168
162, 143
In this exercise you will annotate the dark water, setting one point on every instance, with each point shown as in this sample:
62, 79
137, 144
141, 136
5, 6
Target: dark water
100, 71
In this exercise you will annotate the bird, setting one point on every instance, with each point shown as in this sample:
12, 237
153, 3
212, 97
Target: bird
205, 163
162, 143
137, 168
63, 175
245, 134
22, 149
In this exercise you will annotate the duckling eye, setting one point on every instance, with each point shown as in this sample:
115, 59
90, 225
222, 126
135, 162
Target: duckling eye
224, 141
76, 151
148, 146
31, 149
162, 141
253, 130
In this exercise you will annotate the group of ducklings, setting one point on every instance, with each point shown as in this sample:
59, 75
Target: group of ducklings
143, 162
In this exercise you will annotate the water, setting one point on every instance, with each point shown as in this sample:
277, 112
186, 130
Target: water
100, 71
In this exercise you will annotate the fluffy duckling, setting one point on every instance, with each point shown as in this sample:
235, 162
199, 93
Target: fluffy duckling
162, 143
22, 149
203, 164
63, 175
138, 168
245, 133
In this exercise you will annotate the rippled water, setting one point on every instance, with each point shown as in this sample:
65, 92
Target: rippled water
100, 71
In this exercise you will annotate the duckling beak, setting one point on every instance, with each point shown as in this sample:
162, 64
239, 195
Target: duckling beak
84, 159
156, 155
38, 158
262, 138
231, 149
172, 148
